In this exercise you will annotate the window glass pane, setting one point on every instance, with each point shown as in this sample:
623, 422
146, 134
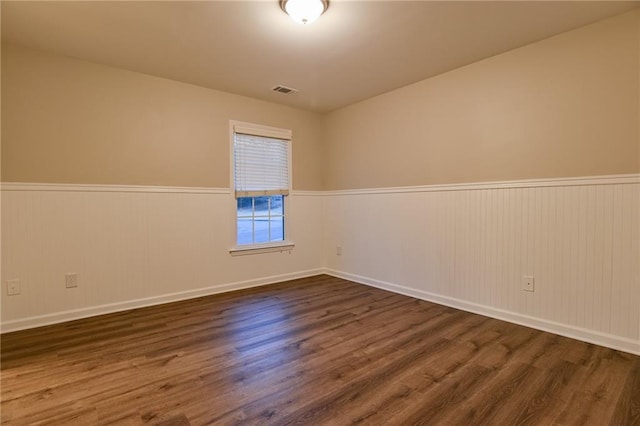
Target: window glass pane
277, 229
261, 206
260, 219
245, 231
277, 205
261, 230
244, 206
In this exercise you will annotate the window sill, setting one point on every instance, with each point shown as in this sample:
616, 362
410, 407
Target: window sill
262, 248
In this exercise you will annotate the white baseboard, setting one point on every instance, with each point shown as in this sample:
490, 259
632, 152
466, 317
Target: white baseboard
58, 317
602, 339
590, 336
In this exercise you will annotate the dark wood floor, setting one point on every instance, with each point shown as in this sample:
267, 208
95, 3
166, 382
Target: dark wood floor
313, 351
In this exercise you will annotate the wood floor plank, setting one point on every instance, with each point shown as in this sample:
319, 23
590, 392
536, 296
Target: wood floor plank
313, 351
627, 411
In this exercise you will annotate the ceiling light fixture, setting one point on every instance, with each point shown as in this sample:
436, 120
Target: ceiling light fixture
304, 11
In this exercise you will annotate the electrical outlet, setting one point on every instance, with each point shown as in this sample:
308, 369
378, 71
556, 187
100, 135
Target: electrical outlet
71, 280
528, 283
13, 287
338, 251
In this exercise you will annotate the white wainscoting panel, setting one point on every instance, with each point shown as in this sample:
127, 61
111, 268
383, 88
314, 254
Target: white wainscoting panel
466, 246
469, 246
133, 247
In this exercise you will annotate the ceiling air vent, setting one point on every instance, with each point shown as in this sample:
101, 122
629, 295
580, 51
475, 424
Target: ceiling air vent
284, 89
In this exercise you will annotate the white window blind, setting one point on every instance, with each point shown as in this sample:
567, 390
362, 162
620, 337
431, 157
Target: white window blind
261, 165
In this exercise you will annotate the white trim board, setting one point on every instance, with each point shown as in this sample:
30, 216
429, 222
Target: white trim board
308, 193
65, 187
531, 183
633, 178
68, 187
59, 317
590, 336
602, 339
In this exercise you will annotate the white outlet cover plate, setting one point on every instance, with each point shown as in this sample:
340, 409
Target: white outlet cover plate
13, 287
528, 283
71, 280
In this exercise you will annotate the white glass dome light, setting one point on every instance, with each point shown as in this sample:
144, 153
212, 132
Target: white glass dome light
304, 11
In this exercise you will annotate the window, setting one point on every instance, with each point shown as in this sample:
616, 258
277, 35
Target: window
261, 169
260, 219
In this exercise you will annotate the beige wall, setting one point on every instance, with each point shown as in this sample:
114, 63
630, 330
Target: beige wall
565, 106
70, 121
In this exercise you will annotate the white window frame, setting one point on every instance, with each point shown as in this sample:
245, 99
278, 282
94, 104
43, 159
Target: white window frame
266, 131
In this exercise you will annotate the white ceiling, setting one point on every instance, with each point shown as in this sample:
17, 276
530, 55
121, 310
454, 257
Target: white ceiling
356, 50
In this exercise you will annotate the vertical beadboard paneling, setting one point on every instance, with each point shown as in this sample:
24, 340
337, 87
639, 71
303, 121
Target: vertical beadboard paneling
579, 240
131, 248
466, 246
